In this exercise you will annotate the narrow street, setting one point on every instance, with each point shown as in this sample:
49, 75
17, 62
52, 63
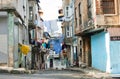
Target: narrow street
49, 74
59, 39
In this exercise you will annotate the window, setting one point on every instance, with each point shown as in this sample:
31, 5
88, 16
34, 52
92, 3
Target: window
80, 52
35, 16
80, 43
79, 9
89, 9
68, 31
75, 17
30, 13
71, 31
80, 48
108, 6
66, 11
66, 8
80, 18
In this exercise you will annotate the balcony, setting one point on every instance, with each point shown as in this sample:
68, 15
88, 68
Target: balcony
8, 4
88, 25
68, 40
78, 30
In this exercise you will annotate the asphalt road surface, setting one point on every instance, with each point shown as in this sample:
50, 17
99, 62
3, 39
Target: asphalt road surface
50, 74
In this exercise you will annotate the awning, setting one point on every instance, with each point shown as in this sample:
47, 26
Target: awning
90, 32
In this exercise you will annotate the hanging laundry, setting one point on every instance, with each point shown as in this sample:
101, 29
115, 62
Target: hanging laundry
53, 25
25, 49
47, 26
56, 45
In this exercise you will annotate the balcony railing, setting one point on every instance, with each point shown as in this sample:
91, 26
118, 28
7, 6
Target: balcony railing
68, 40
7, 4
88, 25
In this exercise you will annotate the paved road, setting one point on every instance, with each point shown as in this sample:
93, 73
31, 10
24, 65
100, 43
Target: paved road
48, 75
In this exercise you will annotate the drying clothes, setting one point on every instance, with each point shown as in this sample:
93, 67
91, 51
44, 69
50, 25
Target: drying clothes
51, 26
54, 26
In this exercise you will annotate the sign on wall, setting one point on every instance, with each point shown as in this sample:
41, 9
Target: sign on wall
115, 38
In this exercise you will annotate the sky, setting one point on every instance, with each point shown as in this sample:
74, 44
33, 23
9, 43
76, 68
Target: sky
50, 11
50, 8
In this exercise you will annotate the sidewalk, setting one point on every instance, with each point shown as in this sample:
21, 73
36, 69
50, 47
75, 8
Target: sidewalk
91, 72
15, 71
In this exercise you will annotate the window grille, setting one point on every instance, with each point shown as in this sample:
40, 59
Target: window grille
108, 6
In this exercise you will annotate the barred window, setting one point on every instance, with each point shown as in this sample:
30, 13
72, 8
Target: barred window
108, 6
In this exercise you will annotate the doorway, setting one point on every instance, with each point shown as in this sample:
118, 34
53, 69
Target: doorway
51, 63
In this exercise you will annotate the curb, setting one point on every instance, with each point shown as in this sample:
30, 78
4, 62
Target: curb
4, 71
78, 70
14, 71
90, 73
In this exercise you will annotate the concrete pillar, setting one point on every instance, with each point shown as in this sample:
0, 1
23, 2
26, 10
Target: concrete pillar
10, 39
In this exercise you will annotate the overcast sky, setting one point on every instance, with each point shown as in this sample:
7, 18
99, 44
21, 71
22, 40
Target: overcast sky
50, 8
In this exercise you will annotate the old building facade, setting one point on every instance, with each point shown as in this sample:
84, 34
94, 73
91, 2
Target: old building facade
14, 24
97, 26
107, 19
35, 33
81, 20
68, 31
17, 17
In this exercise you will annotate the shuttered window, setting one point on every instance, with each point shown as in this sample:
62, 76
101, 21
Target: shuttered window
108, 6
